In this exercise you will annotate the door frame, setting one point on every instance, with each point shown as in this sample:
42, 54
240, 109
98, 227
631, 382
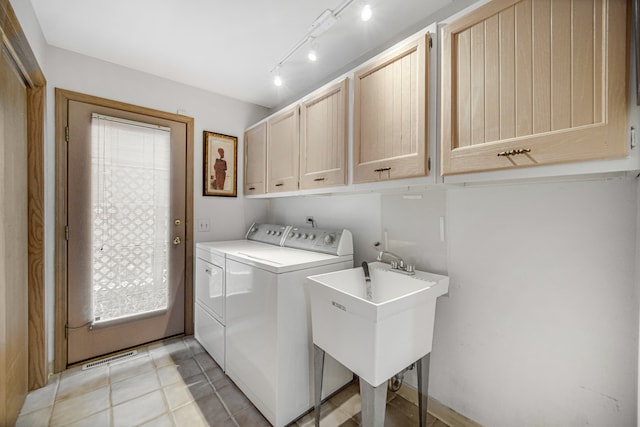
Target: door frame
62, 98
13, 38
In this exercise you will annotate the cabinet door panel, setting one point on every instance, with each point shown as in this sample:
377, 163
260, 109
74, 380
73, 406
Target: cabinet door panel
519, 75
282, 151
390, 115
323, 139
255, 159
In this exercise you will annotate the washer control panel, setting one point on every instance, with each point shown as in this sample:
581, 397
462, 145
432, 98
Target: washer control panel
334, 242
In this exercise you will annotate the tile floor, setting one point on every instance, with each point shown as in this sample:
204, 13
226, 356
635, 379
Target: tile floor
176, 383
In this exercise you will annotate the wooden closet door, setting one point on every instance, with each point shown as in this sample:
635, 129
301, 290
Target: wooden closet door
534, 82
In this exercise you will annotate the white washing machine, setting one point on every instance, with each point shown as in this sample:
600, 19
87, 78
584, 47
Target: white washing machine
268, 343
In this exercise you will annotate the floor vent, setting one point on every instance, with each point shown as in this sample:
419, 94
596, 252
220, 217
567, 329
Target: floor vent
110, 359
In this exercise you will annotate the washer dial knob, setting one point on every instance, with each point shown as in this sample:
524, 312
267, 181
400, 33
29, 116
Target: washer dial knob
329, 238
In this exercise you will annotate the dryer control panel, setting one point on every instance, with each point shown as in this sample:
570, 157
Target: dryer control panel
272, 234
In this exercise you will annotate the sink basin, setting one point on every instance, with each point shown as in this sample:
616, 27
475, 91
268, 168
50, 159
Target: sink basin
375, 338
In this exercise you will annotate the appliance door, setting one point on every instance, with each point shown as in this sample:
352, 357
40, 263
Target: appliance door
210, 288
252, 333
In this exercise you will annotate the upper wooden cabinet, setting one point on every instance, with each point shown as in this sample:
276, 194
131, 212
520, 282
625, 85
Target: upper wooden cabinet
390, 115
323, 138
529, 83
255, 159
282, 151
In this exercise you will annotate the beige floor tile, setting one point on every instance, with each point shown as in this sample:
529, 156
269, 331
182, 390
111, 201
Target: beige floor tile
330, 416
133, 387
39, 417
169, 375
130, 368
212, 410
189, 415
205, 361
42, 397
251, 417
162, 421
178, 395
76, 408
235, 400
139, 410
188, 368
348, 400
194, 345
77, 383
100, 419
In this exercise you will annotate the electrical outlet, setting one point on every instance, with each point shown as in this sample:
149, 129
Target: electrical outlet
204, 225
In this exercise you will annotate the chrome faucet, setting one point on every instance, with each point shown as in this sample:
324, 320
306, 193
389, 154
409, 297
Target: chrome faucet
397, 264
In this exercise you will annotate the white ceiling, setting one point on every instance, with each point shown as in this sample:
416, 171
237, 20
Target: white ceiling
227, 47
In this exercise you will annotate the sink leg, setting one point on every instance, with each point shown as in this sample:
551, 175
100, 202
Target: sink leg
318, 368
374, 401
423, 387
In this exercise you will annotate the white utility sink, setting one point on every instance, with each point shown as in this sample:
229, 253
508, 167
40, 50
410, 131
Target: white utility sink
375, 339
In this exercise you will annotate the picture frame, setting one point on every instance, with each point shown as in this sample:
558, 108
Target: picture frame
220, 155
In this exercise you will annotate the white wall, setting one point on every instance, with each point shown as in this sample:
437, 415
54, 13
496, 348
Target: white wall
229, 217
541, 324
359, 213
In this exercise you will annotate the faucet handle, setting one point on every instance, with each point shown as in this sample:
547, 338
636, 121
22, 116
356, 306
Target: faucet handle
410, 268
394, 264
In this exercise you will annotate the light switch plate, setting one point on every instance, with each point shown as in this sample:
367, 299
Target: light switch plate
204, 225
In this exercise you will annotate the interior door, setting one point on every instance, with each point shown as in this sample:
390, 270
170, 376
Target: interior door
13, 240
126, 229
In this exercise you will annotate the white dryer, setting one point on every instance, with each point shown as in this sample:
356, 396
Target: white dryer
268, 344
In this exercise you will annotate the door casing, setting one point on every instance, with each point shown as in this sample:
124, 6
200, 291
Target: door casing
61, 102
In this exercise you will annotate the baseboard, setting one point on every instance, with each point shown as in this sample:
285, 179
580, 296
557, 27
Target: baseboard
438, 410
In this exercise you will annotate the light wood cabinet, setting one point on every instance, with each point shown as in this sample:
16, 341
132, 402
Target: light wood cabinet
255, 159
282, 151
390, 115
529, 83
323, 138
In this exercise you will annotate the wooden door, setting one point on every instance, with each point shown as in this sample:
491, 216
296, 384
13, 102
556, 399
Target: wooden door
282, 151
323, 138
390, 115
255, 159
13, 241
529, 83
126, 229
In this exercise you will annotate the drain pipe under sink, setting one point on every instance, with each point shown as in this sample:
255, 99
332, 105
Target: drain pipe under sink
395, 382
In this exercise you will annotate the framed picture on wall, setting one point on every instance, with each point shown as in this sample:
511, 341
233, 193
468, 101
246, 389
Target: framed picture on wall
220, 165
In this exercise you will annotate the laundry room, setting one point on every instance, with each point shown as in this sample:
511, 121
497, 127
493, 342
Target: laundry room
539, 321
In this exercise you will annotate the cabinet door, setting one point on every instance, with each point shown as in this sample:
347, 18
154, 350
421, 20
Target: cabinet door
255, 159
323, 139
282, 151
528, 83
390, 112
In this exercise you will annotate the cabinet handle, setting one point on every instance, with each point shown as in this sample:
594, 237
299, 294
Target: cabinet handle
279, 185
382, 170
514, 152
252, 188
319, 179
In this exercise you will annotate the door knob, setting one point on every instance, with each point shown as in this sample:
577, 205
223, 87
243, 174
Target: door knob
176, 241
